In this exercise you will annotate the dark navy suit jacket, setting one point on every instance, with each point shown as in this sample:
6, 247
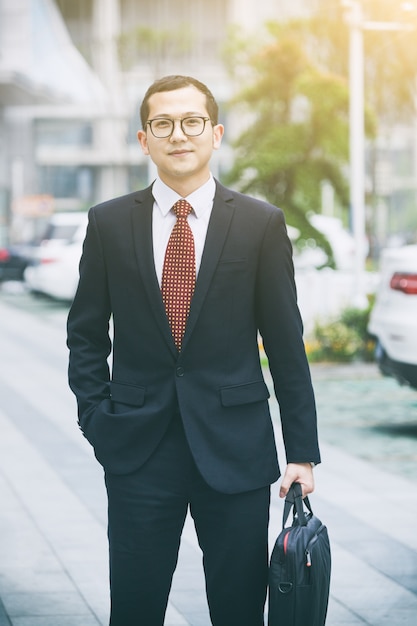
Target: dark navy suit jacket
245, 286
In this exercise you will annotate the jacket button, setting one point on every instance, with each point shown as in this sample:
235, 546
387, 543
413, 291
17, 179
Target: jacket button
179, 371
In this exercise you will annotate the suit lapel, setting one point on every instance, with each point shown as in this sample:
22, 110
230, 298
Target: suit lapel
142, 234
221, 216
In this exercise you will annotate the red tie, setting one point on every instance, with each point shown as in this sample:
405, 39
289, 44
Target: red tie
178, 274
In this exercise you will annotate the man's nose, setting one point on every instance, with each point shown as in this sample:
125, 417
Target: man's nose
177, 132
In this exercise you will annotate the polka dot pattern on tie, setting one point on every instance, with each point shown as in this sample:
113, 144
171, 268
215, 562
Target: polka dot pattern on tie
179, 273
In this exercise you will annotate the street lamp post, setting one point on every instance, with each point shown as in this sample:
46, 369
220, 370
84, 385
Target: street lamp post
357, 25
357, 147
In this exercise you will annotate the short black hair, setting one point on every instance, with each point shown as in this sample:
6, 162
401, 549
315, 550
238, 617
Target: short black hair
171, 83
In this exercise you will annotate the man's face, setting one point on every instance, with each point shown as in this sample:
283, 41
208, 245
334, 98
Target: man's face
182, 161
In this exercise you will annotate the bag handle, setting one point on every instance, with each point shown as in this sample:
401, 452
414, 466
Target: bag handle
295, 499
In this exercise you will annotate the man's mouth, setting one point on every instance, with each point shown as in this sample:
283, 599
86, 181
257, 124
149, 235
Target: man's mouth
178, 153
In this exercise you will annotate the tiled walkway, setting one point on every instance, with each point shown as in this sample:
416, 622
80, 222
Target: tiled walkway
53, 548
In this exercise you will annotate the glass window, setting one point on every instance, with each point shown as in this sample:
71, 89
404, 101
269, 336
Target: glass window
402, 161
61, 231
157, 32
63, 133
138, 176
78, 16
67, 182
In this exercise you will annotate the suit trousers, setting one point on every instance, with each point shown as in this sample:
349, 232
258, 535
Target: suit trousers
146, 515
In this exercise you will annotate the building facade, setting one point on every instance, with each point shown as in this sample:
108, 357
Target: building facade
72, 76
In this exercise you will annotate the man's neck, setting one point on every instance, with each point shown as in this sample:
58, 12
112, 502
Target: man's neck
187, 186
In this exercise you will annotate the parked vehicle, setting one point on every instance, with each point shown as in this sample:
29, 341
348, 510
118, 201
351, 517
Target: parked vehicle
53, 269
13, 262
340, 239
393, 320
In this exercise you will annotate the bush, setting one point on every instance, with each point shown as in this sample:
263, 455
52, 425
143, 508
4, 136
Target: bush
343, 340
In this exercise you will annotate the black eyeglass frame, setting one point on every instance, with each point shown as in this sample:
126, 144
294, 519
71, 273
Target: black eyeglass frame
181, 121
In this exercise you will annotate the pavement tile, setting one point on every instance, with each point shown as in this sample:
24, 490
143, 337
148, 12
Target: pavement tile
55, 620
44, 604
401, 617
4, 620
366, 592
189, 601
53, 546
340, 615
65, 538
197, 619
174, 618
29, 579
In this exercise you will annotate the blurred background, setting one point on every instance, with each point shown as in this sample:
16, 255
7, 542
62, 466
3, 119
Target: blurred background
319, 101
318, 98
73, 73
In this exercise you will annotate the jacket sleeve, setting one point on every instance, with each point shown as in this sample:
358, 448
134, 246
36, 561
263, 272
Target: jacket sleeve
281, 329
88, 337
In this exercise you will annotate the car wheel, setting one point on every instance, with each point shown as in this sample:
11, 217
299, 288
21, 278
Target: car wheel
382, 359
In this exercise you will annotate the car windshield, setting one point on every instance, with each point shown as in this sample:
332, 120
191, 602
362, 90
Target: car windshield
60, 231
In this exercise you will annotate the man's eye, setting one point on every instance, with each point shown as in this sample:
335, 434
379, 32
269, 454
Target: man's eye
192, 121
162, 124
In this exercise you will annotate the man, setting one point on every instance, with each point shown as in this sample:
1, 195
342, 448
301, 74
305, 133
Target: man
183, 421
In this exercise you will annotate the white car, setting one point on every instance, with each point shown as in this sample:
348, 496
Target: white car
340, 239
393, 320
53, 270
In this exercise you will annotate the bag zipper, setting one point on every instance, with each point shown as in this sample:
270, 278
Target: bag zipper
310, 544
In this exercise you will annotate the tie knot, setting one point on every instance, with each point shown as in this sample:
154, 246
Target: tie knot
182, 208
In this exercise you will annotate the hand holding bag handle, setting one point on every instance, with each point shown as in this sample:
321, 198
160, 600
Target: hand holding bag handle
295, 498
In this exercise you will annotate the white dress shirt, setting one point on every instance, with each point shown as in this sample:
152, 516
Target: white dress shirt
163, 219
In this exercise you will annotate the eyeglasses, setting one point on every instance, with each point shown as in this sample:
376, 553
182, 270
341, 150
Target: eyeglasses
162, 127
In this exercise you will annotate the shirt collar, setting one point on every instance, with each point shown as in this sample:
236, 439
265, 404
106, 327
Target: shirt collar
201, 199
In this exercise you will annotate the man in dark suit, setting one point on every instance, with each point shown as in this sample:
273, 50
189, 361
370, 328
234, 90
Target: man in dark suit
184, 423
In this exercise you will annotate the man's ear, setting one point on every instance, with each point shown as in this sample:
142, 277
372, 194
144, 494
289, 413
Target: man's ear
143, 140
218, 132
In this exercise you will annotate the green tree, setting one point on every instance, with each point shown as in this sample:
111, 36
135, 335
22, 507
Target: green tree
297, 132
390, 87
389, 56
302, 70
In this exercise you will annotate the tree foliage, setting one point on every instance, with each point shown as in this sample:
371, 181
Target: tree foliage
294, 92
297, 133
153, 44
389, 55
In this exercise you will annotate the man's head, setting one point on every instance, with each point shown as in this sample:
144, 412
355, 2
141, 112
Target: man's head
171, 83
180, 131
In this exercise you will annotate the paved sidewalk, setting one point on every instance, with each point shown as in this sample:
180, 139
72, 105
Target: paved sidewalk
53, 548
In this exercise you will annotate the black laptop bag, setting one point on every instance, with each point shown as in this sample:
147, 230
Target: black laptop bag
299, 573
